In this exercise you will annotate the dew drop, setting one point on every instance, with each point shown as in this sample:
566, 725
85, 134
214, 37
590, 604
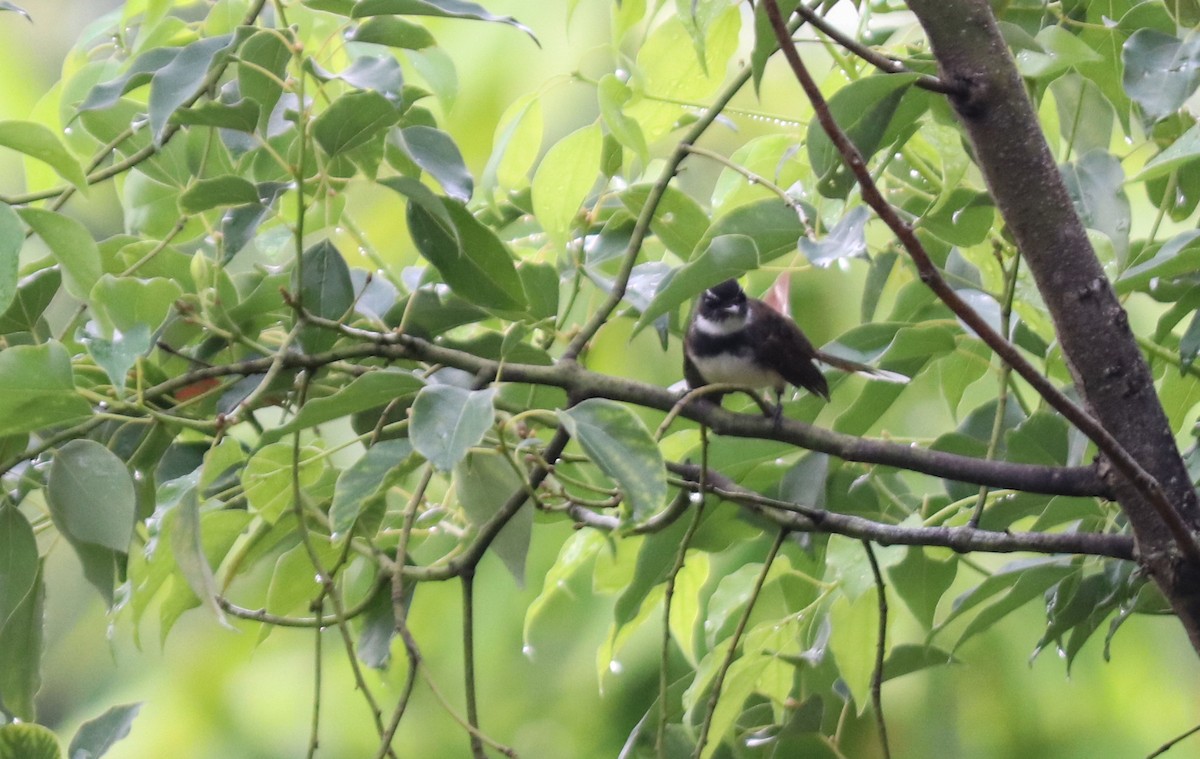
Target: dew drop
528, 651
616, 667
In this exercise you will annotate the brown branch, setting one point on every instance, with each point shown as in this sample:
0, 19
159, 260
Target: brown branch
799, 518
880, 61
1085, 422
880, 644
581, 383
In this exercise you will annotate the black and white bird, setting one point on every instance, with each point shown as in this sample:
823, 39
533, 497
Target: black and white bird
737, 340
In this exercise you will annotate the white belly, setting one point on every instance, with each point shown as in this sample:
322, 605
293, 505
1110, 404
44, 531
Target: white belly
731, 370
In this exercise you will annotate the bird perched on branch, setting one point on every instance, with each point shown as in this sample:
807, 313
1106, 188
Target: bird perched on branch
738, 340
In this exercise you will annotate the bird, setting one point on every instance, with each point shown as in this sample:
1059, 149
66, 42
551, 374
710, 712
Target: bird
738, 340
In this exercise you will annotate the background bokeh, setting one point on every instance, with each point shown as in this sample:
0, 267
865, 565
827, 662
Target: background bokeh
210, 692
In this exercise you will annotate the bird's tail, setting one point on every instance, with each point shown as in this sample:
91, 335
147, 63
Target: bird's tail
854, 367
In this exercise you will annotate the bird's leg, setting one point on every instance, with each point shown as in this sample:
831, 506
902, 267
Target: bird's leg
777, 414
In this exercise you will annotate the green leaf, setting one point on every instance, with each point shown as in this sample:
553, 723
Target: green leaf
774, 226
205, 194
242, 116
179, 80
435, 152
379, 627
1039, 439
33, 295
141, 71
447, 421
468, 255
371, 390
91, 496
187, 544
963, 217
484, 481
1161, 71
127, 303
96, 736
1095, 184
907, 658
268, 477
1085, 117
655, 558
961, 369
441, 8
325, 290
37, 141
617, 441
1179, 255
563, 180
12, 238
669, 75
364, 482
71, 245
1060, 50
219, 459
613, 95
739, 684
855, 636
262, 68
380, 74
921, 581
39, 389
679, 221
18, 563
353, 119
863, 109
1182, 152
577, 552
727, 256
118, 355
28, 741
21, 646
393, 32
1016, 584
516, 144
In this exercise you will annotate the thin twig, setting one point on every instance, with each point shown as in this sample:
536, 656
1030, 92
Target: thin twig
1010, 290
468, 623
734, 642
664, 673
800, 518
314, 737
1171, 743
880, 646
871, 56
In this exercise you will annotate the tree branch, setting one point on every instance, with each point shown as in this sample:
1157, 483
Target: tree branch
581, 383
878, 60
799, 518
1110, 371
1144, 482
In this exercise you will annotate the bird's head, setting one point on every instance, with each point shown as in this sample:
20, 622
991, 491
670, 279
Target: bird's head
723, 301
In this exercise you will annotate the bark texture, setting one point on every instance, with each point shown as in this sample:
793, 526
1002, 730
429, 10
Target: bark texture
1093, 329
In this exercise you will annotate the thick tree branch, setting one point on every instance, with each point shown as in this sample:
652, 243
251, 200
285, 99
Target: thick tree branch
580, 383
1112, 376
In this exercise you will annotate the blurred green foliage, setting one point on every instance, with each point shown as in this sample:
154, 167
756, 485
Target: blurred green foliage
178, 263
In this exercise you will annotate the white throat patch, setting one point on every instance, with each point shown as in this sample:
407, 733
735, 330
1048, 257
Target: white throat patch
721, 328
